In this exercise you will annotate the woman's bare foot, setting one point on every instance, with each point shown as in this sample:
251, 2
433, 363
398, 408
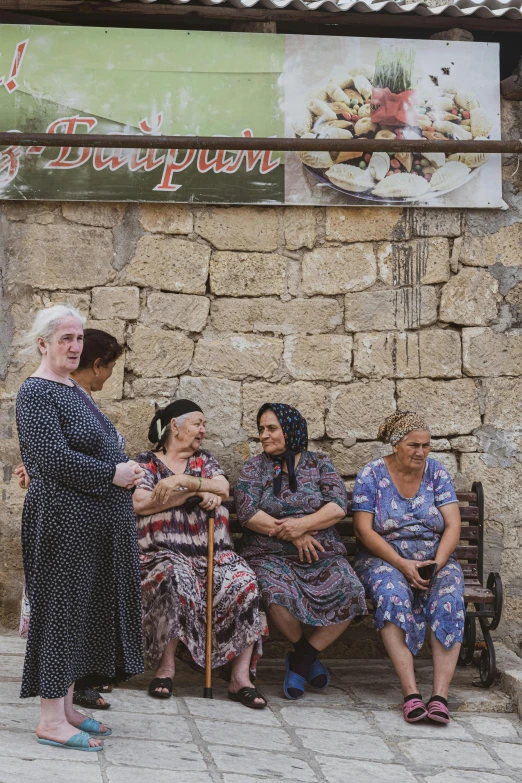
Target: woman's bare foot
61, 731
243, 682
75, 718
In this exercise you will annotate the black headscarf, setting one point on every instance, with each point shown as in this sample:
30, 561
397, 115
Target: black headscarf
295, 431
158, 430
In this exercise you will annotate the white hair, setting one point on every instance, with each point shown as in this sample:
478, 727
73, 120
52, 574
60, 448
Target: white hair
45, 324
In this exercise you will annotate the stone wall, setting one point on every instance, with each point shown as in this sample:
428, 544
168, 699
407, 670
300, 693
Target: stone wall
345, 313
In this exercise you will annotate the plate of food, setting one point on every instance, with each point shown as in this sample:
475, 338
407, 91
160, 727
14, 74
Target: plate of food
386, 101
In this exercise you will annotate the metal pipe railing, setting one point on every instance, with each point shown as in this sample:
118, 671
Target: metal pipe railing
249, 143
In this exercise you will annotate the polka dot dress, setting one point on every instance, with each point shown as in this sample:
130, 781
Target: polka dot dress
79, 545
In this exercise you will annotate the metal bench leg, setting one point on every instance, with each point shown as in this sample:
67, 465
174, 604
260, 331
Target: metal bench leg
487, 661
467, 650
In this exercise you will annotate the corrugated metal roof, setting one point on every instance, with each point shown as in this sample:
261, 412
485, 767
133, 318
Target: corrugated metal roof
487, 9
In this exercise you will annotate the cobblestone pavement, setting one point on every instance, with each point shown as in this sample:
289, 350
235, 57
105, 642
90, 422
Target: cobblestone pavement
325, 738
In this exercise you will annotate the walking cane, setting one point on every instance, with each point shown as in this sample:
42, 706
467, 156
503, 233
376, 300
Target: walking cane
207, 690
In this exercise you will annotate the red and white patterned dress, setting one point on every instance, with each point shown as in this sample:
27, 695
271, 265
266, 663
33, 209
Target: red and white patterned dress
173, 563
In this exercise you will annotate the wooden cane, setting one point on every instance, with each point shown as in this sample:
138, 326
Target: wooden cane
207, 690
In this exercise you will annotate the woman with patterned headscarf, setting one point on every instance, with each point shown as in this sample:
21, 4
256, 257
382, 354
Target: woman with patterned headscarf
406, 518
289, 500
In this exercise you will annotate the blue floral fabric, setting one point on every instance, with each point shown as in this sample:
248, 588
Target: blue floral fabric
413, 527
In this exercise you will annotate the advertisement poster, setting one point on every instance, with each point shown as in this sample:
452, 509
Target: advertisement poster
60, 79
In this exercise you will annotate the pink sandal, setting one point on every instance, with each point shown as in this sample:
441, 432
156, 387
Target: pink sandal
412, 704
438, 710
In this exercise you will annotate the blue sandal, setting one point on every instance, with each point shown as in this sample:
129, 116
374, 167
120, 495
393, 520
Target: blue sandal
316, 670
76, 742
93, 727
292, 680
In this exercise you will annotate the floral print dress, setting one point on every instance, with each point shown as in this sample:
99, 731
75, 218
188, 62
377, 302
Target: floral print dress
323, 592
413, 527
173, 562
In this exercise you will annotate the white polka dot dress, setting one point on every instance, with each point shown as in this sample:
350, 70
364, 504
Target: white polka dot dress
79, 545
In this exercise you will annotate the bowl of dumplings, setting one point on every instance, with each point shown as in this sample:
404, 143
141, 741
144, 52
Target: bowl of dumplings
341, 108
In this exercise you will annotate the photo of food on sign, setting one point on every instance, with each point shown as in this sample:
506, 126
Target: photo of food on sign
388, 89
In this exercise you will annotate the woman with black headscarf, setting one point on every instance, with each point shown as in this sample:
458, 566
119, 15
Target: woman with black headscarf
182, 484
289, 500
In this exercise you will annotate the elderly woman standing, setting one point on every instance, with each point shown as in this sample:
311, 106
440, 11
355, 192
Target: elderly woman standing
78, 536
289, 500
407, 517
182, 483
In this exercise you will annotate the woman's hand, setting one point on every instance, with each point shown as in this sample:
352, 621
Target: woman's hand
128, 474
307, 547
288, 529
164, 488
23, 476
209, 501
410, 569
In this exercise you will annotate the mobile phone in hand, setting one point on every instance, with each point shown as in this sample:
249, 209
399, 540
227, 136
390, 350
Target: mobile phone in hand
427, 572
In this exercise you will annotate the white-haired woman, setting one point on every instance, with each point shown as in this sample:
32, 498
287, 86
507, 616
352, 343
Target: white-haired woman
78, 537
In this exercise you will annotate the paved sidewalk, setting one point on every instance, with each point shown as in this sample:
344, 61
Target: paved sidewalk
325, 738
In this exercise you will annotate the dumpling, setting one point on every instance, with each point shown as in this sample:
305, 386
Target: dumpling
321, 109
449, 176
402, 186
316, 160
364, 125
335, 92
329, 132
481, 123
379, 165
318, 93
363, 70
471, 159
350, 178
467, 100
442, 103
437, 158
365, 110
451, 129
406, 158
304, 126
363, 85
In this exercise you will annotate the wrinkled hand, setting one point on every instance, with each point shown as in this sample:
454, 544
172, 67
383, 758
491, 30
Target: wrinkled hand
209, 501
128, 474
22, 475
307, 546
166, 487
288, 529
410, 569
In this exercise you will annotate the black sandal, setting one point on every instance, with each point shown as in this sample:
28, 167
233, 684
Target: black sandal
88, 698
247, 696
160, 682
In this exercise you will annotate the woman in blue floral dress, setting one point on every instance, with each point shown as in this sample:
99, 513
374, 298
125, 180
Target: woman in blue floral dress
406, 517
289, 500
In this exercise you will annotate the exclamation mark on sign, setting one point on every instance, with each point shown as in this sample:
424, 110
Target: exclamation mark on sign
12, 84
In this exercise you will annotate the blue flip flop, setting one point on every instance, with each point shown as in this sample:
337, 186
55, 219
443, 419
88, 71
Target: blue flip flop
76, 742
292, 680
315, 670
93, 727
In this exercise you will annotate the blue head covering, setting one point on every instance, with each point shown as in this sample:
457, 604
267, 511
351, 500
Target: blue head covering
295, 431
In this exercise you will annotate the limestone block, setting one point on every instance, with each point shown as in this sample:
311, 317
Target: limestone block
239, 228
237, 356
419, 261
220, 400
166, 218
230, 458
490, 353
94, 213
161, 389
464, 443
386, 354
440, 353
132, 418
178, 311
449, 407
114, 327
337, 270
349, 461
298, 316
504, 246
308, 398
440, 444
116, 302
503, 403
364, 224
319, 357
247, 274
383, 310
43, 212
156, 352
358, 409
300, 227
470, 298
169, 263
501, 487
59, 256
82, 301
436, 222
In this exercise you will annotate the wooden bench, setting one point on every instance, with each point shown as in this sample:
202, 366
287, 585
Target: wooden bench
483, 601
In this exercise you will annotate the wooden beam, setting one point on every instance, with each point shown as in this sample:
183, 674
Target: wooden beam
159, 14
